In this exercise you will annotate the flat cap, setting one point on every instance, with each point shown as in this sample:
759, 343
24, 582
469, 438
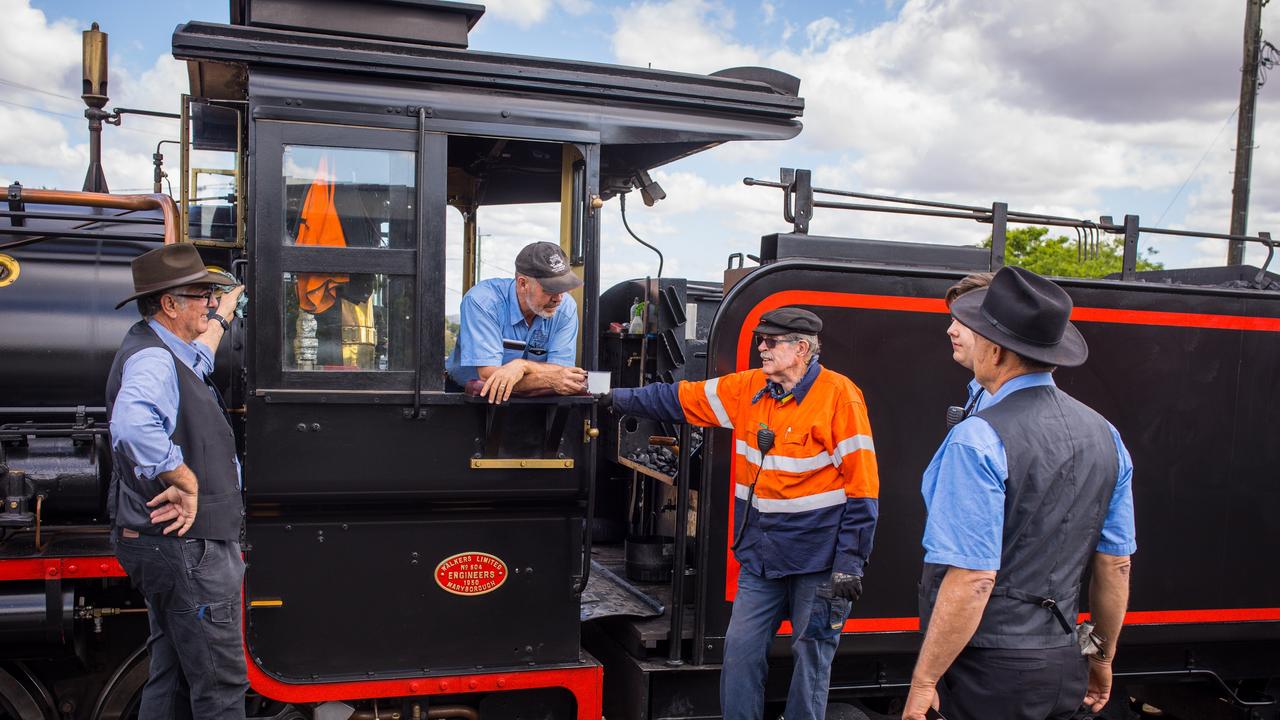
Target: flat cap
789, 320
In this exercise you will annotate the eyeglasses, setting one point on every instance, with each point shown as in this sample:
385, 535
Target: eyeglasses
771, 341
204, 297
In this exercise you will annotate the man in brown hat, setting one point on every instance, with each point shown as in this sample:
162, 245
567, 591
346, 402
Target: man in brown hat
807, 489
174, 498
1022, 495
521, 334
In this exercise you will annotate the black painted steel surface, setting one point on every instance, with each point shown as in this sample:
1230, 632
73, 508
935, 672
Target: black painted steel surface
1192, 400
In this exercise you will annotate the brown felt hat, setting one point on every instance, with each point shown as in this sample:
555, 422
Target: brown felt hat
169, 267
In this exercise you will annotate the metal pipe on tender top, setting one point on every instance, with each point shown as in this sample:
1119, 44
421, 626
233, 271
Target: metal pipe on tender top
165, 204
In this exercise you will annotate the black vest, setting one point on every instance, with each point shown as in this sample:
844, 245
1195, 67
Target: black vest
1062, 471
202, 430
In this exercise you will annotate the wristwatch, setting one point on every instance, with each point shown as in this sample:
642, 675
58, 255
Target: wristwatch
215, 315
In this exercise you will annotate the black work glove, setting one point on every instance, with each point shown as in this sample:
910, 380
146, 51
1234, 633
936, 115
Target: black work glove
604, 400
844, 585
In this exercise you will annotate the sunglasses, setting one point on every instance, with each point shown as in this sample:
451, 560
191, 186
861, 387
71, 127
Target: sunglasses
771, 341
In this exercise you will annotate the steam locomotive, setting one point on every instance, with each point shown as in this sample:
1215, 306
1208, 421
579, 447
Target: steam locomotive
413, 551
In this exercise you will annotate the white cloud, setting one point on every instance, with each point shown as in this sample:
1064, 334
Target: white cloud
41, 53
704, 43
1044, 106
822, 31
527, 13
43, 146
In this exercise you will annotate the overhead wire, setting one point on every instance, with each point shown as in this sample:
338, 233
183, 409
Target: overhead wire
148, 133
1196, 169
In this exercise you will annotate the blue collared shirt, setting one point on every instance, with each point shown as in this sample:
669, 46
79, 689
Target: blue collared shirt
145, 412
491, 313
964, 488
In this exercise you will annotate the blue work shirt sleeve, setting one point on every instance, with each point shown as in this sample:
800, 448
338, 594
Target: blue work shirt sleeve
658, 401
146, 411
480, 334
562, 346
964, 492
1119, 533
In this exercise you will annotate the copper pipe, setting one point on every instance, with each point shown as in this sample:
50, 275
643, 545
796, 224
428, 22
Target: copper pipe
39, 509
466, 712
165, 204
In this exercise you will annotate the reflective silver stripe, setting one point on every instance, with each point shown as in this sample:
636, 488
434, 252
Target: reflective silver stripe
785, 464
793, 505
717, 407
852, 445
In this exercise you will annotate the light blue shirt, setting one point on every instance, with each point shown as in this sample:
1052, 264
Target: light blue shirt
145, 412
964, 488
491, 314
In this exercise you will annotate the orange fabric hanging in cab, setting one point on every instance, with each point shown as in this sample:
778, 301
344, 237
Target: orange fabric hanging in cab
320, 226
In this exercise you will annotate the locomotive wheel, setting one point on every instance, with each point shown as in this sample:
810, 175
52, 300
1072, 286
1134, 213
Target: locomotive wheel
16, 700
123, 692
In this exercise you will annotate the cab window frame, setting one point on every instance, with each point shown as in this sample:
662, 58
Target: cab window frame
274, 256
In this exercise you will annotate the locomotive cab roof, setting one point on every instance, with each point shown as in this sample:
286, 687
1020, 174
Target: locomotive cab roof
640, 117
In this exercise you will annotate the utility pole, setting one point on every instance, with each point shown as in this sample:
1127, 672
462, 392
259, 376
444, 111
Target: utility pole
1244, 129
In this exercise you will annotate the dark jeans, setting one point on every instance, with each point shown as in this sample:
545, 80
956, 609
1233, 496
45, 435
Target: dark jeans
760, 605
192, 588
996, 684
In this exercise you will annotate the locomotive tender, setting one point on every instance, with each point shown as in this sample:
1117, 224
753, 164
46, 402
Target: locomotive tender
413, 551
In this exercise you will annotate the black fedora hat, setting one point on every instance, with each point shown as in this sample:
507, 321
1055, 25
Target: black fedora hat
169, 267
1025, 313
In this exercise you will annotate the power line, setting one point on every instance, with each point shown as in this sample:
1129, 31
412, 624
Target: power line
39, 110
68, 98
148, 133
1197, 167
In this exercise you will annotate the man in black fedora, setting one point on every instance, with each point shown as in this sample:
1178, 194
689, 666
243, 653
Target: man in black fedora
174, 497
1022, 495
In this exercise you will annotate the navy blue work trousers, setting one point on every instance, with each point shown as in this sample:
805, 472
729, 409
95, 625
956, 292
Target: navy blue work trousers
192, 589
759, 607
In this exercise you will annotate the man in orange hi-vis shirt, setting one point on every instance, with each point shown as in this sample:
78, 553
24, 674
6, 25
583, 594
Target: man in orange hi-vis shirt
806, 508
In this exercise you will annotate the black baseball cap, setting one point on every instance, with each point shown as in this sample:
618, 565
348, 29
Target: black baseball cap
788, 320
547, 263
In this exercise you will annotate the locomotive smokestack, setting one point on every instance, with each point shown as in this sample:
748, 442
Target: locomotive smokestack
94, 94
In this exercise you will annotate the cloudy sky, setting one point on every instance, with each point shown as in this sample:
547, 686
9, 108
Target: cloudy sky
1085, 108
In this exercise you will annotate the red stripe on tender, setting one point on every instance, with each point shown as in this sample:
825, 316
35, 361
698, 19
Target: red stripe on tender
68, 568
586, 684
1172, 319
1140, 617
937, 305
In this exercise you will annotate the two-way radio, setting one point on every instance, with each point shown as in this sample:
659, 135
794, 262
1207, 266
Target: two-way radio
764, 441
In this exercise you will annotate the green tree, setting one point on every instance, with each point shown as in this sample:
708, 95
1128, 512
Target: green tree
1031, 248
451, 331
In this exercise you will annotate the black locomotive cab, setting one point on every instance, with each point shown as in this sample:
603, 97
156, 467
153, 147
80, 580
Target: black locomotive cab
404, 538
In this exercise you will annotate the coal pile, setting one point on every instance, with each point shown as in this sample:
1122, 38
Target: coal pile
664, 459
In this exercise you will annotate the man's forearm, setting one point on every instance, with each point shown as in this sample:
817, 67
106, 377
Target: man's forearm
182, 478
1109, 598
956, 614
537, 375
